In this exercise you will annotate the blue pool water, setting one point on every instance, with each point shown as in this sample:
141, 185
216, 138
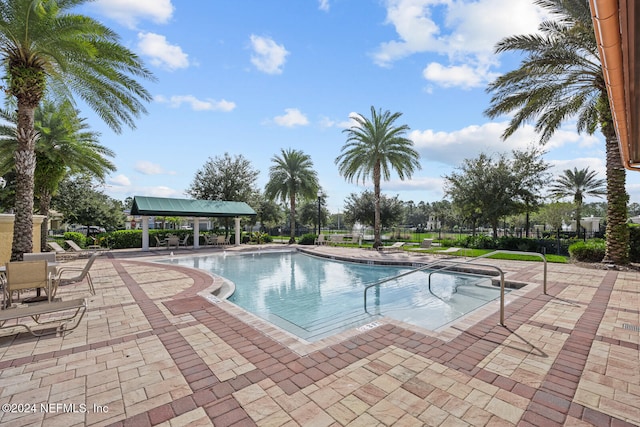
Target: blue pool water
315, 297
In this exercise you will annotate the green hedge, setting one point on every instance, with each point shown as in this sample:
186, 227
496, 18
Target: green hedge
589, 251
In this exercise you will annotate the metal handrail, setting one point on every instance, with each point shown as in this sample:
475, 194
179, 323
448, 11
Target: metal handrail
544, 260
454, 263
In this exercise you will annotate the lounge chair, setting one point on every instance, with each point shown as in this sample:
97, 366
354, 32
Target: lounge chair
77, 249
184, 241
320, 240
60, 252
336, 239
396, 247
63, 277
36, 310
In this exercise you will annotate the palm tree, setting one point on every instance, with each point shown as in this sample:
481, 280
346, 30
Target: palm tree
561, 77
46, 48
291, 176
66, 146
375, 147
578, 184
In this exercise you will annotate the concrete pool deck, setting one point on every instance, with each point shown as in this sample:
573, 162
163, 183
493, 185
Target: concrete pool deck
152, 351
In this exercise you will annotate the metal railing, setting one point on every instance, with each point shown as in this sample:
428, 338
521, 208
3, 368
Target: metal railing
453, 263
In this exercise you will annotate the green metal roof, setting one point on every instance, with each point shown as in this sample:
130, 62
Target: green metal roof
164, 206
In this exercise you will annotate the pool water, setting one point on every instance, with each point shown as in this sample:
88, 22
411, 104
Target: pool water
316, 297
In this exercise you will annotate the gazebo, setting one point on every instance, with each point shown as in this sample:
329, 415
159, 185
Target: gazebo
164, 206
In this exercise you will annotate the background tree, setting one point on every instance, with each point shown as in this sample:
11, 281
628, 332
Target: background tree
66, 146
373, 149
361, 208
482, 189
559, 78
578, 184
81, 202
225, 178
309, 212
531, 175
556, 214
292, 176
45, 47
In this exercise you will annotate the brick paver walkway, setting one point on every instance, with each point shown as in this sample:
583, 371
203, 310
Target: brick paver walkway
152, 351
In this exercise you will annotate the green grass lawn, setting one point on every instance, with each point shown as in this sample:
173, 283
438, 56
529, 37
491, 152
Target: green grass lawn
478, 252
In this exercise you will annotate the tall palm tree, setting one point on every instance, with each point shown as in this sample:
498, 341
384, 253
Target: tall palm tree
292, 176
46, 48
561, 77
578, 184
374, 147
66, 146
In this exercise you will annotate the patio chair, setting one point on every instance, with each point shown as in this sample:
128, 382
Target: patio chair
160, 243
63, 277
320, 240
23, 275
173, 241
184, 241
396, 247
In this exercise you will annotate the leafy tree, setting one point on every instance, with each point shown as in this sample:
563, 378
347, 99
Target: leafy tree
225, 178
373, 149
555, 214
561, 77
66, 146
80, 201
530, 175
578, 184
634, 209
269, 213
484, 189
292, 176
362, 208
46, 48
309, 212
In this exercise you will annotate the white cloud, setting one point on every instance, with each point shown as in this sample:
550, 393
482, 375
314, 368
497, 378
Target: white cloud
467, 36
464, 76
596, 164
162, 53
196, 104
129, 13
292, 117
268, 56
120, 180
147, 168
323, 5
453, 147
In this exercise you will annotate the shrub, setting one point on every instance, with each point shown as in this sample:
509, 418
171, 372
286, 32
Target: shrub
479, 241
589, 251
124, 239
634, 243
79, 238
307, 239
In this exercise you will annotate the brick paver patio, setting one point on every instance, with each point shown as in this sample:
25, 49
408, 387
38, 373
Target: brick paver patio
152, 350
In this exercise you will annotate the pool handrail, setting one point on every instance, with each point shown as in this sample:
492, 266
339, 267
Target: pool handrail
458, 262
538, 254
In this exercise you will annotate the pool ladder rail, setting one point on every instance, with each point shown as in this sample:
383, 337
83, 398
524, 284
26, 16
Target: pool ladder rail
452, 263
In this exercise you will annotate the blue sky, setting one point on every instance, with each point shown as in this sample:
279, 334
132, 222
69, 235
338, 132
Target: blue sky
252, 77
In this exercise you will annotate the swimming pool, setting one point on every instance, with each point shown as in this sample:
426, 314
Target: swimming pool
315, 297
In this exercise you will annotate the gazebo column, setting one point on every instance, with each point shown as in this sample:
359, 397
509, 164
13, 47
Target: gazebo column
145, 233
196, 233
237, 221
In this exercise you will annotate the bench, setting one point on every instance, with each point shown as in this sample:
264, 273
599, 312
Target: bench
36, 310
